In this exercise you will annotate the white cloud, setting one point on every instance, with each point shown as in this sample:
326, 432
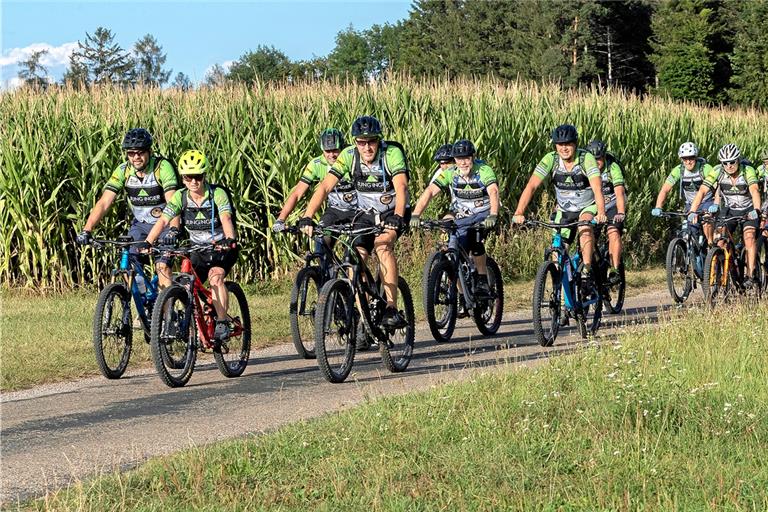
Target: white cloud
56, 56
11, 84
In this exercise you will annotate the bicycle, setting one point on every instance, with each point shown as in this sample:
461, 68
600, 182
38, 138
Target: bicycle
725, 266
612, 293
761, 265
184, 320
112, 322
353, 297
563, 275
685, 257
318, 269
456, 267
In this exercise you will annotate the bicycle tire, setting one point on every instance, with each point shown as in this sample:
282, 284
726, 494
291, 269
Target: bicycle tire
398, 360
614, 306
488, 316
442, 289
675, 251
113, 368
715, 284
336, 307
433, 259
761, 266
171, 333
548, 271
303, 319
232, 363
590, 316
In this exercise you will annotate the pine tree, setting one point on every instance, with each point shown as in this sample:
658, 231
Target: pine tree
76, 75
33, 72
149, 59
105, 60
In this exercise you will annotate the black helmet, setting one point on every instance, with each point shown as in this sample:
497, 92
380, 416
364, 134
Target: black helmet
463, 147
564, 134
597, 148
137, 138
366, 126
444, 154
331, 138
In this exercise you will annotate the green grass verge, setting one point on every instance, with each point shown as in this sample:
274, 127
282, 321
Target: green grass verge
671, 417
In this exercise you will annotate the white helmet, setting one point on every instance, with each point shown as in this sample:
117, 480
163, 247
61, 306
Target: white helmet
729, 152
688, 149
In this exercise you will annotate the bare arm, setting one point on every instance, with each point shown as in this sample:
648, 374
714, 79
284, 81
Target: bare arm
699, 196
318, 198
400, 183
176, 221
296, 194
665, 188
228, 226
99, 209
430, 193
493, 195
158, 228
621, 199
525, 198
755, 193
596, 183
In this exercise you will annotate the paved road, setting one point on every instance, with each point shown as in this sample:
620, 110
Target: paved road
56, 434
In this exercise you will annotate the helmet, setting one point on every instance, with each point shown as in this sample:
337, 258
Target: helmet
597, 148
463, 147
137, 138
564, 134
729, 152
366, 126
193, 162
764, 154
331, 138
444, 154
687, 149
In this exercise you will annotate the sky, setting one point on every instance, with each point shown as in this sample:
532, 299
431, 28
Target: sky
195, 35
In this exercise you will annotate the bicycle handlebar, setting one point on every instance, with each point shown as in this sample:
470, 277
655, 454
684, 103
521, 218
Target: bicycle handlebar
560, 226
100, 243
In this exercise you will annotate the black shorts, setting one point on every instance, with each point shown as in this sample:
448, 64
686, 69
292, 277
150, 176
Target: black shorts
204, 262
369, 220
732, 225
611, 213
333, 216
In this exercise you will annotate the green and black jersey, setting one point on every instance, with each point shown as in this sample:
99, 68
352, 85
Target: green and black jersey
146, 195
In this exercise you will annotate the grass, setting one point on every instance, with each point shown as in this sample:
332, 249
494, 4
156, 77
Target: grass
38, 345
669, 417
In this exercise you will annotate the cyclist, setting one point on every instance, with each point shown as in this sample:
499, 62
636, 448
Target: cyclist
149, 181
737, 183
380, 175
578, 187
206, 213
444, 158
762, 175
614, 192
474, 199
690, 174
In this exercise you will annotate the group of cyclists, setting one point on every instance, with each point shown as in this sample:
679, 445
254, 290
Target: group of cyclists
366, 183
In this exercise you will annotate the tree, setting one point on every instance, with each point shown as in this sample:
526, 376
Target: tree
266, 64
750, 56
216, 76
149, 60
351, 58
32, 70
104, 59
76, 75
182, 82
309, 70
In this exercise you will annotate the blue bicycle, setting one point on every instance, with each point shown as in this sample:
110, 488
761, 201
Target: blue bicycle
112, 321
686, 253
558, 289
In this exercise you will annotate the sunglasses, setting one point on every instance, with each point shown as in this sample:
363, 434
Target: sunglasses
730, 162
134, 154
369, 143
196, 177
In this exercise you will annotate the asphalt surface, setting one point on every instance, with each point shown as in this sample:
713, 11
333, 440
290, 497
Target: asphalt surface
55, 435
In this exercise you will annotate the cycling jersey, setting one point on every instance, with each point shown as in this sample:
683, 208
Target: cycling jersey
735, 193
373, 183
469, 196
612, 176
202, 221
146, 195
572, 188
343, 196
691, 181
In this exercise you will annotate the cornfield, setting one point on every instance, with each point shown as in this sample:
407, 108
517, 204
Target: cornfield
57, 150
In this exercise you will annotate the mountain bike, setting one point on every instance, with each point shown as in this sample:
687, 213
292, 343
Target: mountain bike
761, 266
353, 297
456, 268
112, 322
686, 253
184, 321
725, 267
612, 292
558, 289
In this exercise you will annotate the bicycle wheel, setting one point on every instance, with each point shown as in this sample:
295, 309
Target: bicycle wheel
434, 257
232, 358
761, 266
302, 311
173, 340
396, 347
440, 301
679, 278
113, 330
335, 330
613, 296
488, 313
590, 315
547, 292
716, 280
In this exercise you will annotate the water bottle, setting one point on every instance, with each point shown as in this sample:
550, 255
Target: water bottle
140, 283
152, 295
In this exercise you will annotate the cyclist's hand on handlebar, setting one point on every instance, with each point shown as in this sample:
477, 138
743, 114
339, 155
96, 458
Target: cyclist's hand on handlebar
226, 244
490, 222
656, 212
601, 218
307, 226
394, 222
84, 238
618, 218
170, 237
713, 209
518, 219
693, 218
143, 247
754, 214
415, 222
278, 226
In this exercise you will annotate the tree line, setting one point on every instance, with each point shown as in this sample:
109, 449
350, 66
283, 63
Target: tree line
709, 51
